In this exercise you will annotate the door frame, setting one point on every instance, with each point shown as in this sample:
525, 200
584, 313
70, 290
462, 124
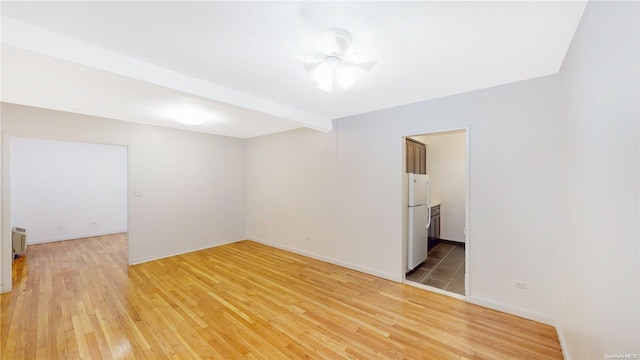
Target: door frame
6, 263
467, 232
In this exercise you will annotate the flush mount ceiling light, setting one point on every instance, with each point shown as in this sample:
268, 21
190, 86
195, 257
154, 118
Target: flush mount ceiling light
335, 61
190, 116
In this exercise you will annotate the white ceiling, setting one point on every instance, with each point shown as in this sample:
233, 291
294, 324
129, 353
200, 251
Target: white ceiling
241, 62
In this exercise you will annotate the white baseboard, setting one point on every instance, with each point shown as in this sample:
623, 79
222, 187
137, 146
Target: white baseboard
184, 251
563, 343
513, 310
30, 242
527, 314
315, 256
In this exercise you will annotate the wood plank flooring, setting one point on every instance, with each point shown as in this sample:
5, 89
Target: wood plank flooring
78, 300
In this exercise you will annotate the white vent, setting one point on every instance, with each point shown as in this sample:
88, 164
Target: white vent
19, 237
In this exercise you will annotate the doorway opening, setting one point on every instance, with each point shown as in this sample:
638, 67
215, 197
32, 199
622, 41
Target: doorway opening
64, 190
436, 223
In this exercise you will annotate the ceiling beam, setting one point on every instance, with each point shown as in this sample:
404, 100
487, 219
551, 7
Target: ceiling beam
31, 38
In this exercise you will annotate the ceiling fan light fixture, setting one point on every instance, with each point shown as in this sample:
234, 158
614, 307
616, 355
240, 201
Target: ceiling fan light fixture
345, 78
324, 73
331, 72
336, 63
326, 85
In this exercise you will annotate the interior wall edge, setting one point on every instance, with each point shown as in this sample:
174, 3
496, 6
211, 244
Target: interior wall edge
6, 263
184, 251
45, 241
563, 344
362, 269
152, 169
514, 310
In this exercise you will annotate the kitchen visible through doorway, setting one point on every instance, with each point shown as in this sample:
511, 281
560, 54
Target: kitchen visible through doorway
437, 210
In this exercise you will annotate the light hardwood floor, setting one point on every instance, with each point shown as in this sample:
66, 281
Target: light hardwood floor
78, 300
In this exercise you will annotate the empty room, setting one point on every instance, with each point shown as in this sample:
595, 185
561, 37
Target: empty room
324, 180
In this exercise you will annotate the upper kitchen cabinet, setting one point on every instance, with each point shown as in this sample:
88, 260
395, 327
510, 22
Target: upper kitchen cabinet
416, 157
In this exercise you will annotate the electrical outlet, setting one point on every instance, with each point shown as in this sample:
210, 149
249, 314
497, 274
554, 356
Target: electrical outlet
520, 284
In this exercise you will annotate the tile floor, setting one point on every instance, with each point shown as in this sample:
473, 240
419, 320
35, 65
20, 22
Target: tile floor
443, 269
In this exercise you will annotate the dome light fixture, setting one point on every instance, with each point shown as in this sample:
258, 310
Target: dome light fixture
189, 116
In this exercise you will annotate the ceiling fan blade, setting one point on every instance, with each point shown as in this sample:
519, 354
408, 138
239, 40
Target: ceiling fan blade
310, 66
367, 66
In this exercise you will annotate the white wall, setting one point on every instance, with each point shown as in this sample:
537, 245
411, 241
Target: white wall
5, 245
599, 276
192, 184
350, 205
539, 150
554, 176
64, 190
446, 166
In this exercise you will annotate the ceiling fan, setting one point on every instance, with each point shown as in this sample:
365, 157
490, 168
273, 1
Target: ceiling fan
335, 61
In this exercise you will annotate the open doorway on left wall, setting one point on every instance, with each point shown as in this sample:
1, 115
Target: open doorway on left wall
63, 190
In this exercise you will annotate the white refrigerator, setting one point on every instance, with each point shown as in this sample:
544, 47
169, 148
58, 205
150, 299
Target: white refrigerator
419, 219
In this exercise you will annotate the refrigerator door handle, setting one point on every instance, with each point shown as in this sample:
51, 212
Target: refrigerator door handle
428, 212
